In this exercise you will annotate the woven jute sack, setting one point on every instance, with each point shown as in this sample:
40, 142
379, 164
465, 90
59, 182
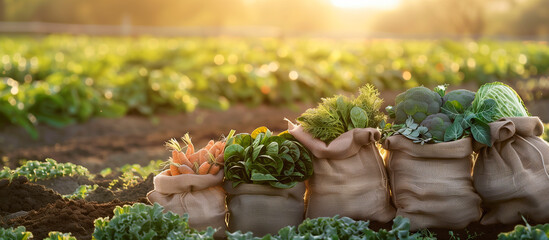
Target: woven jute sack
349, 177
512, 176
200, 196
263, 209
432, 183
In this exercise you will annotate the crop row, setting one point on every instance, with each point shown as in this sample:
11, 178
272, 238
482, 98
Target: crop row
59, 80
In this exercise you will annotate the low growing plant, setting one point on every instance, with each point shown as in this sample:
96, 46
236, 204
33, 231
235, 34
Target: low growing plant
145, 222
81, 192
336, 228
59, 236
521, 232
19, 233
36, 170
263, 158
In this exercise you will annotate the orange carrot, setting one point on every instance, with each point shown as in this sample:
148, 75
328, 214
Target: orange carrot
175, 157
209, 145
214, 169
219, 159
173, 170
197, 156
190, 146
204, 168
203, 156
184, 160
184, 169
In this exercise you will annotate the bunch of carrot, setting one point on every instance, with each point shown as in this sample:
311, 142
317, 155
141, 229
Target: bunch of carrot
207, 160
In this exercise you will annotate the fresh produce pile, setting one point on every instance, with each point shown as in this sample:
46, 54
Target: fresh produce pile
264, 158
427, 116
59, 80
207, 160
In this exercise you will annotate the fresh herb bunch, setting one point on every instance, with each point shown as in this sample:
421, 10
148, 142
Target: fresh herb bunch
538, 232
335, 228
19, 233
263, 158
339, 114
145, 222
35, 170
59, 236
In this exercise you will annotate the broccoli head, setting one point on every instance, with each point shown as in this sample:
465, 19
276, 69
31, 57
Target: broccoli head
464, 97
418, 102
437, 125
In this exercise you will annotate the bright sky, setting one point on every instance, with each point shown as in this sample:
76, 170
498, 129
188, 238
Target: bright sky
375, 4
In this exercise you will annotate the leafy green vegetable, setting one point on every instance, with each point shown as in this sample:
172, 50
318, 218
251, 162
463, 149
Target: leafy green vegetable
336, 228
19, 233
521, 232
145, 222
508, 102
35, 170
437, 125
462, 96
59, 236
263, 158
339, 114
469, 122
418, 102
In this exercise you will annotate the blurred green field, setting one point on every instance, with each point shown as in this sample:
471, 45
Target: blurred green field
59, 80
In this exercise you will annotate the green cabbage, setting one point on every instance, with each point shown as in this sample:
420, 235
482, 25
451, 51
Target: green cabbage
508, 102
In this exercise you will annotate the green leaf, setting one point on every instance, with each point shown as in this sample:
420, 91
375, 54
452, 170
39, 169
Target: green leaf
481, 133
452, 109
455, 131
359, 117
486, 111
272, 149
259, 177
233, 150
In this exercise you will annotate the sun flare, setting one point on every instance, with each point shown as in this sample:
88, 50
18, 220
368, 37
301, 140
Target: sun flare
376, 4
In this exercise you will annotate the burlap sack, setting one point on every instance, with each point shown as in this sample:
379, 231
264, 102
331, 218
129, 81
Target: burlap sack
512, 176
432, 183
349, 177
263, 209
200, 196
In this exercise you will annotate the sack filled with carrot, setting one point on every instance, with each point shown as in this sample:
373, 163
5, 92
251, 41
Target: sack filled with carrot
193, 183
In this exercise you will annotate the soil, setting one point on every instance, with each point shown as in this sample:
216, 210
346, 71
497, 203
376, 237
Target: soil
76, 217
132, 194
21, 195
65, 185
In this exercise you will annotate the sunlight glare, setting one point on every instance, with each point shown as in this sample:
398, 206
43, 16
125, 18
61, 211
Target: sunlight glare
375, 4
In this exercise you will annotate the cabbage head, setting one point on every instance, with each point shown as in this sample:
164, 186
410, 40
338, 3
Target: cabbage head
508, 102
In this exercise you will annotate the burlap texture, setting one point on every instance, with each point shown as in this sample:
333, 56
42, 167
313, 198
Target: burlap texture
432, 183
200, 196
512, 176
263, 209
349, 177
